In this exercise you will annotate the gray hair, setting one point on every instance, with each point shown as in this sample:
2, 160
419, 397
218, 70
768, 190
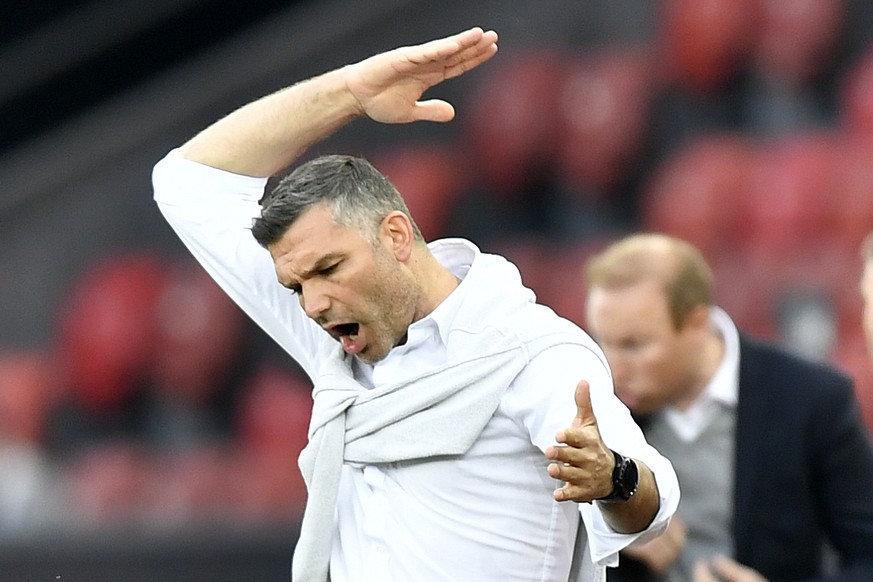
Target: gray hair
358, 195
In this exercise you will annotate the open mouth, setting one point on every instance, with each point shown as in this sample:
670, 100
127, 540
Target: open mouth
341, 330
348, 334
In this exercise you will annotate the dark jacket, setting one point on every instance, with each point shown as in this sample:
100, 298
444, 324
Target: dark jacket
804, 471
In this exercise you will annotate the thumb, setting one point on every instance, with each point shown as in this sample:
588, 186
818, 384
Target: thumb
584, 411
434, 110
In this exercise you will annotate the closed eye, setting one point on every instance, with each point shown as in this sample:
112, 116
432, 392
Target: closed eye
297, 288
328, 270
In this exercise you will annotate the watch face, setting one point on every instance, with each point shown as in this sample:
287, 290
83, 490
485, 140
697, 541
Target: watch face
629, 478
625, 480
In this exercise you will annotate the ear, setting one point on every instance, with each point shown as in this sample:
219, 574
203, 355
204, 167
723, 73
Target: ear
698, 318
397, 235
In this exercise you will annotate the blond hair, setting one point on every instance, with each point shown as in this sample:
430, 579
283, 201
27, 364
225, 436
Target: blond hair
677, 265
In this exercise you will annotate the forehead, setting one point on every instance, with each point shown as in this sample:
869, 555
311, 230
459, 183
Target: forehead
644, 291
628, 308
315, 234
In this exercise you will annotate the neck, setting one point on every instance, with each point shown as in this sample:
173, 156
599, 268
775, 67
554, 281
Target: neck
436, 283
711, 355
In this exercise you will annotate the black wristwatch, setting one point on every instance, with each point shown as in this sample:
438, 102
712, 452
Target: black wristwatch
625, 480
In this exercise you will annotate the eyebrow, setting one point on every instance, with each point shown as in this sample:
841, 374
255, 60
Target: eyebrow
319, 265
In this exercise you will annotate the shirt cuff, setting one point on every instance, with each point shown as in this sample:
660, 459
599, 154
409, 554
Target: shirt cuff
605, 543
175, 176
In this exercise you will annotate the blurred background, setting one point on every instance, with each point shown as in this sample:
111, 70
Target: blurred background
148, 430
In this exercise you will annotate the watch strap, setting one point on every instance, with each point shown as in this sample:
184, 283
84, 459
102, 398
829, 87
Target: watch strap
625, 480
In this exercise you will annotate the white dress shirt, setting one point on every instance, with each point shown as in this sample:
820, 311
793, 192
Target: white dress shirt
485, 515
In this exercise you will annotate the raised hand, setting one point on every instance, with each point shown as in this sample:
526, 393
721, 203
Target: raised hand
388, 86
266, 136
583, 463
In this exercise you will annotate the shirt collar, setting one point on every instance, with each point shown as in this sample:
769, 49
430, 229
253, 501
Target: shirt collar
457, 255
431, 332
724, 385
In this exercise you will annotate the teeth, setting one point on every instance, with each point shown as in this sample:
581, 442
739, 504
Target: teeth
353, 336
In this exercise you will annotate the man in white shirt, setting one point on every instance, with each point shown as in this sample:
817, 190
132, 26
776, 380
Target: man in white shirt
442, 444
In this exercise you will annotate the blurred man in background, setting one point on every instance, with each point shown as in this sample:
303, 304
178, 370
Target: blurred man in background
770, 449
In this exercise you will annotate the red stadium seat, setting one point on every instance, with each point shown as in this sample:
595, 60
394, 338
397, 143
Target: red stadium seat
697, 193
760, 281
192, 488
511, 120
705, 43
791, 186
797, 38
274, 411
429, 178
198, 332
745, 288
530, 255
851, 202
106, 332
108, 484
273, 422
854, 356
856, 97
603, 107
28, 392
565, 288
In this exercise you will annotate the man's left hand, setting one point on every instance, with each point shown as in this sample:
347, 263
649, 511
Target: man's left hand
584, 463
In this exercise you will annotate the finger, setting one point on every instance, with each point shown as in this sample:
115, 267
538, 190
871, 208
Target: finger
468, 44
434, 110
450, 47
567, 473
471, 58
572, 493
577, 484
581, 448
584, 410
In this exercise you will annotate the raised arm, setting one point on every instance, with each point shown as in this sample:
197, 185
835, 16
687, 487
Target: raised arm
267, 135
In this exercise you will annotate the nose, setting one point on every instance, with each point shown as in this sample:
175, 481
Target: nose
313, 300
